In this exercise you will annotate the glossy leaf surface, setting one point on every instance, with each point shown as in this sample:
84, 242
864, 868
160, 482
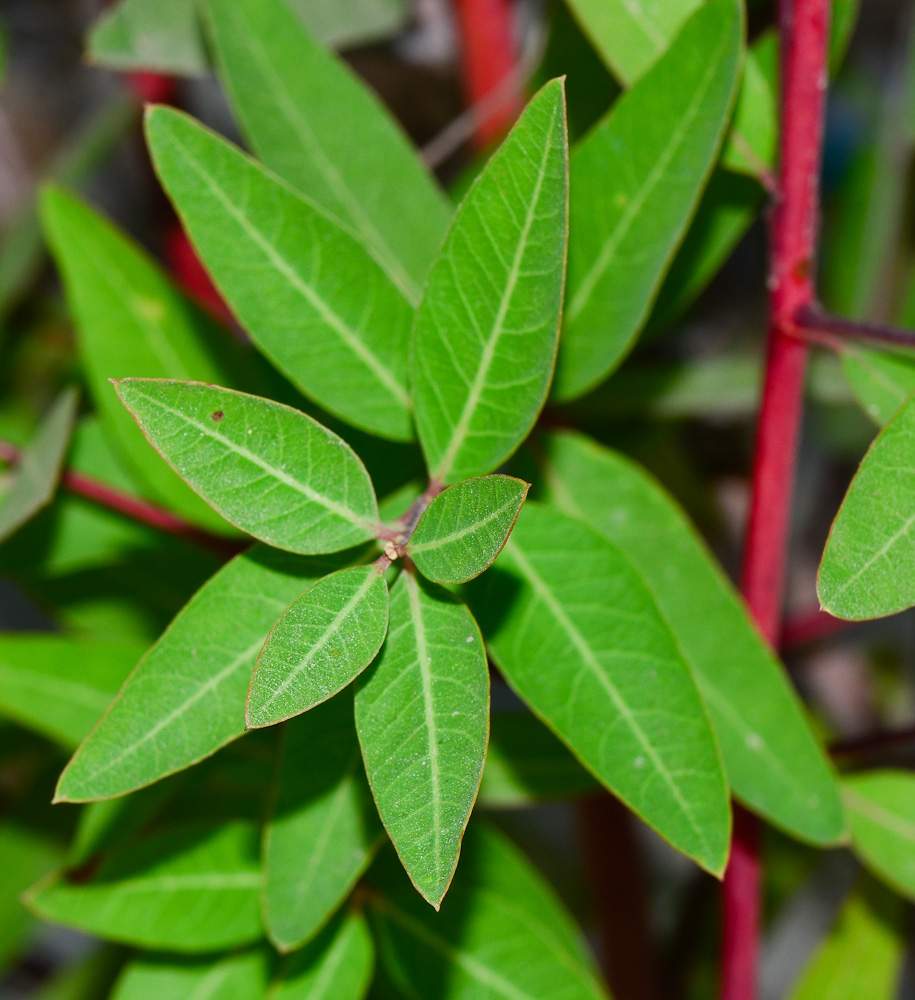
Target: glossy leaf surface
317, 126
881, 809
636, 180
771, 758
320, 643
464, 528
484, 339
310, 295
578, 635
186, 698
267, 468
241, 976
189, 888
323, 828
422, 714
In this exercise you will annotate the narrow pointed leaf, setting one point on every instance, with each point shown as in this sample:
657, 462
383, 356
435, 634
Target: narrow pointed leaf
578, 635
502, 936
312, 298
36, 475
422, 714
753, 138
312, 122
464, 528
868, 569
186, 698
241, 976
484, 339
188, 888
150, 34
773, 762
323, 828
267, 468
881, 810
881, 380
636, 181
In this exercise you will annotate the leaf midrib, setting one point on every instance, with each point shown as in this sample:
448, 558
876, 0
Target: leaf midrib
461, 533
881, 816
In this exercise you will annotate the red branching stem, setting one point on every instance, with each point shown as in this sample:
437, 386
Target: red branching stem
812, 320
804, 29
811, 626
487, 60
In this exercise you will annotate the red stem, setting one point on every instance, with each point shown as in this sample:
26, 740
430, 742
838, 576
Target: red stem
811, 626
804, 29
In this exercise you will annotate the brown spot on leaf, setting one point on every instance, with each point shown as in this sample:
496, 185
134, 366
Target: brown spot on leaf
218, 415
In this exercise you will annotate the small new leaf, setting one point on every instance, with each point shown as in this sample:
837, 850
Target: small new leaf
464, 528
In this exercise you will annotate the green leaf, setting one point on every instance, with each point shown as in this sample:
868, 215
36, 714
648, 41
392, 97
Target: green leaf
484, 340
880, 380
422, 714
150, 34
38, 471
772, 760
336, 965
867, 569
526, 764
578, 635
464, 528
881, 809
267, 468
503, 935
318, 127
308, 292
636, 181
862, 957
188, 888
753, 140
323, 829
241, 976
25, 856
132, 320
346, 23
60, 686
323, 640
186, 698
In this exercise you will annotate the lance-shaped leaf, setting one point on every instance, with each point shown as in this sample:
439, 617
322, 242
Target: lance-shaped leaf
464, 528
323, 828
881, 380
484, 340
187, 888
323, 640
773, 762
881, 810
336, 965
150, 34
132, 320
236, 976
503, 934
267, 468
868, 569
578, 635
36, 475
636, 181
313, 299
422, 714
60, 686
323, 131
186, 698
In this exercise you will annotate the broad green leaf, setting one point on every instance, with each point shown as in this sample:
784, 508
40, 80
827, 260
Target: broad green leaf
526, 764
336, 965
323, 640
881, 380
150, 34
636, 180
236, 976
38, 471
132, 320
862, 957
312, 298
772, 760
323, 828
311, 121
25, 856
503, 935
578, 635
464, 528
267, 468
60, 686
187, 888
422, 714
186, 698
881, 809
484, 340
867, 569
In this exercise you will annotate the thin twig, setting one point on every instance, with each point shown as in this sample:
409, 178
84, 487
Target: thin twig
874, 743
811, 626
811, 320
